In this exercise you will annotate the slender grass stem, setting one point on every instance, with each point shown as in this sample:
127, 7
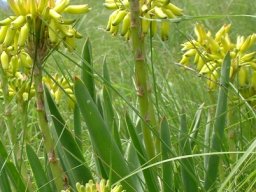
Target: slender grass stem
141, 78
8, 113
23, 110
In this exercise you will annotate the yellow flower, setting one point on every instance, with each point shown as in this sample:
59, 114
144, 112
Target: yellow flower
103, 186
59, 85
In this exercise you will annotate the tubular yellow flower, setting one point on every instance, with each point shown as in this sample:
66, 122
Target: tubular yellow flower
61, 6
4, 60
24, 32
77, 9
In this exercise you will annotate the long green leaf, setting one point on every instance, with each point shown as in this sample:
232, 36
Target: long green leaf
195, 126
4, 181
189, 177
240, 162
219, 126
72, 150
77, 126
40, 177
105, 147
108, 110
207, 139
87, 68
11, 171
15, 177
165, 148
148, 174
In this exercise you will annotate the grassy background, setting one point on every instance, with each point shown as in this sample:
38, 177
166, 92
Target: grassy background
175, 87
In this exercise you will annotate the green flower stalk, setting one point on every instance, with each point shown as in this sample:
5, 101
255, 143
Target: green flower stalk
26, 38
135, 19
207, 52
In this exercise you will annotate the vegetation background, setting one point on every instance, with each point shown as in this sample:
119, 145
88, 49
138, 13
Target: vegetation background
176, 90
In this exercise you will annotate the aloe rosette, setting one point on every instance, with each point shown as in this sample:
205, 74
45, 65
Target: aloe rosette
150, 10
208, 51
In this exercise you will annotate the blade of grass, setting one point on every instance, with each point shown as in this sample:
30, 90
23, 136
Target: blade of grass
40, 177
188, 173
13, 174
148, 174
219, 125
207, 139
195, 126
77, 126
108, 110
165, 148
240, 162
4, 181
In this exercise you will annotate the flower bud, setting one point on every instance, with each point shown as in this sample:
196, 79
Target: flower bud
4, 60
77, 9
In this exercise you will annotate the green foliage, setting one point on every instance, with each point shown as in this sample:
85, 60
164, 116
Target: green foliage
167, 168
41, 179
188, 172
209, 147
9, 168
75, 162
106, 149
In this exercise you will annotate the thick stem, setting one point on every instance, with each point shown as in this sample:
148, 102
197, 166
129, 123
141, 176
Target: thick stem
141, 77
57, 172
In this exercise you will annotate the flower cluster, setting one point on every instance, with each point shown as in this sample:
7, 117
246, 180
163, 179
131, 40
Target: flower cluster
35, 27
103, 186
21, 88
58, 85
36, 23
149, 9
207, 52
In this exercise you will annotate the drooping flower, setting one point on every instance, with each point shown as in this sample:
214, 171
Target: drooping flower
59, 85
207, 52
